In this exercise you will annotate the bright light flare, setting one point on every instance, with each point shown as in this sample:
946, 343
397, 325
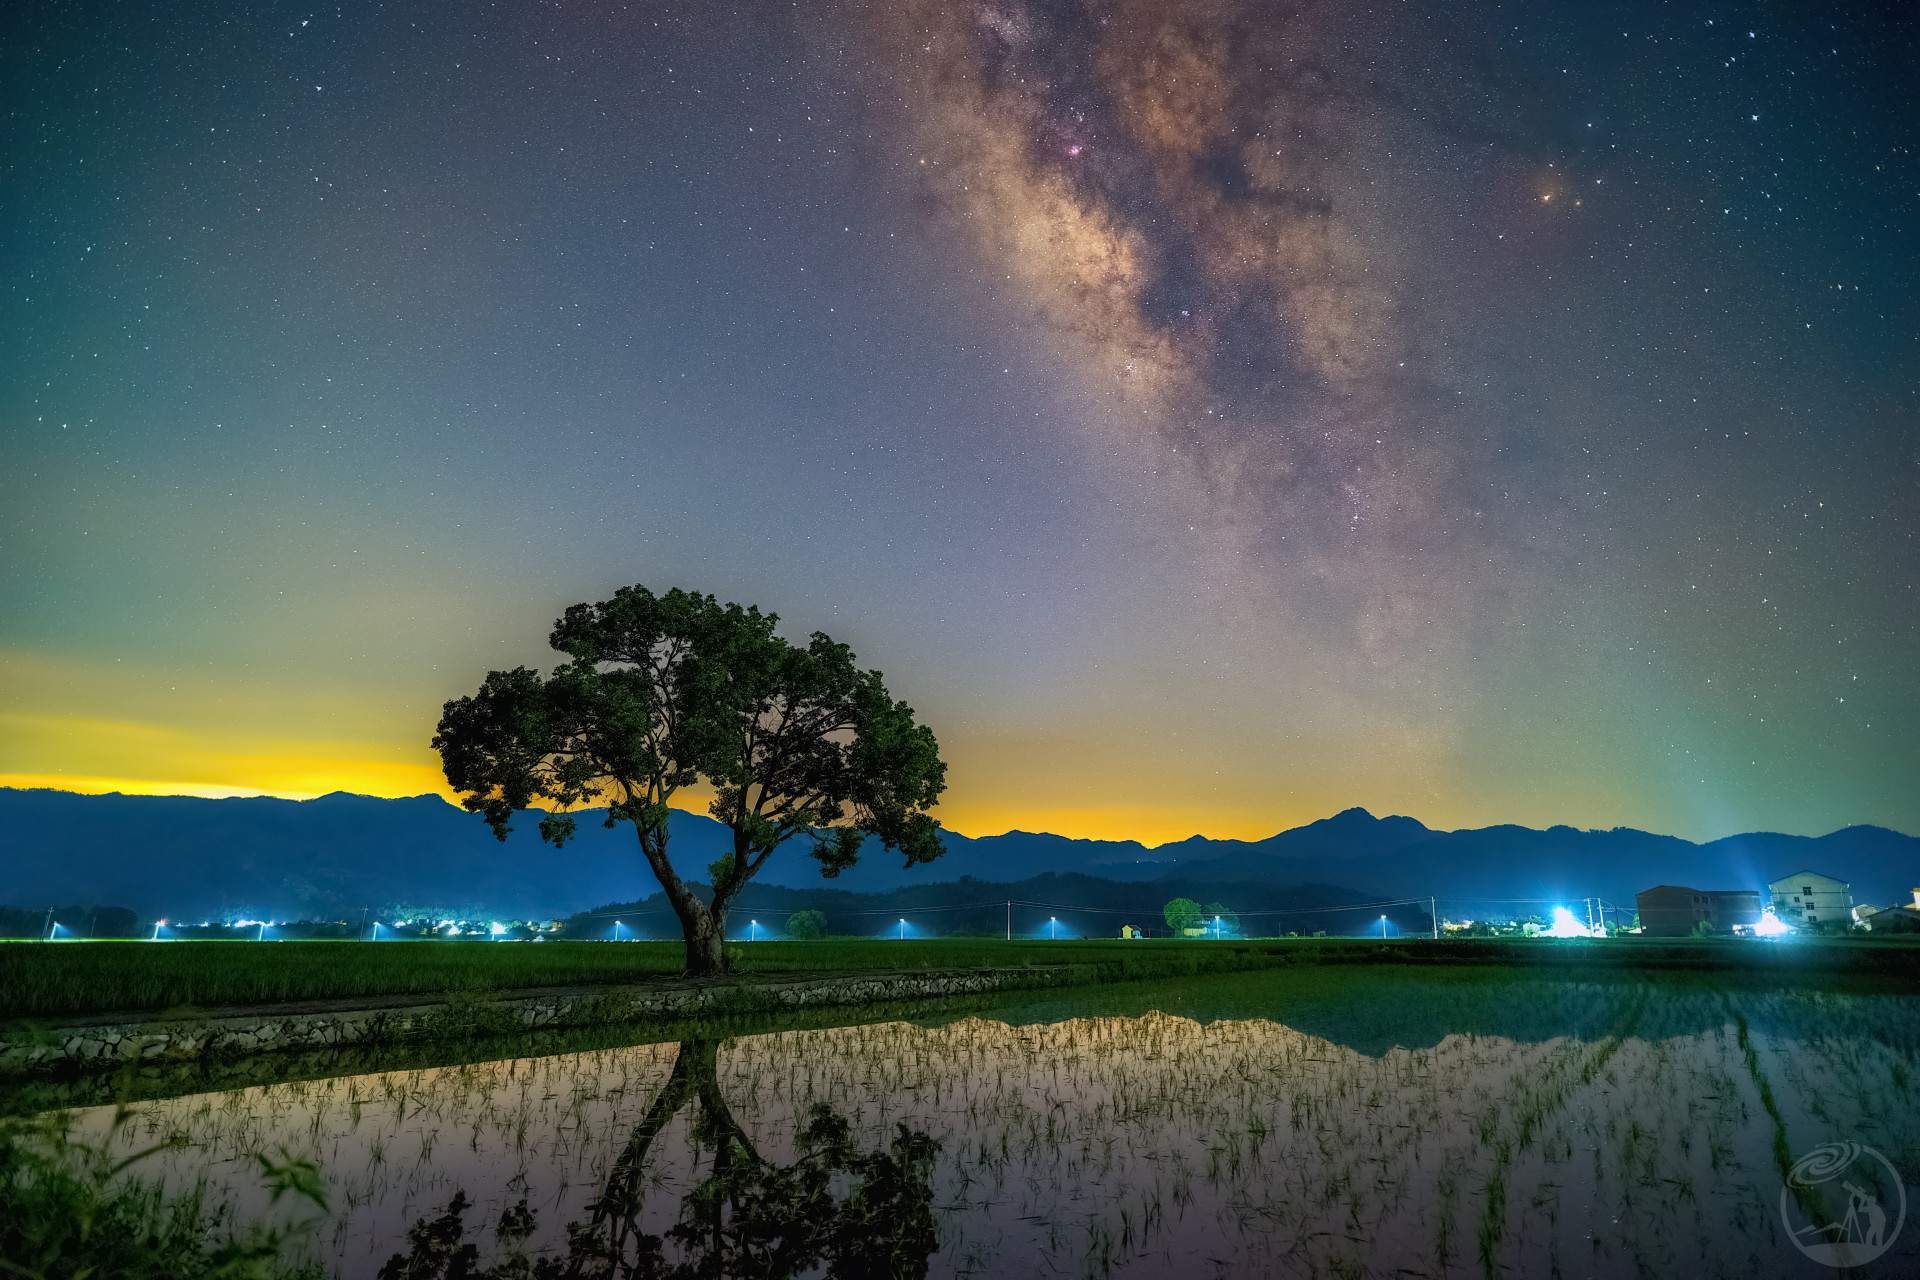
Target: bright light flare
1565, 925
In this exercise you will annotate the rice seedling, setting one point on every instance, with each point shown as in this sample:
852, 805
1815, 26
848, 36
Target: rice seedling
1308, 1123
74, 1205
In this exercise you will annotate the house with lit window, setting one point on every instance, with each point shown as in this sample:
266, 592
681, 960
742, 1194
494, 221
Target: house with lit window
1809, 898
1675, 911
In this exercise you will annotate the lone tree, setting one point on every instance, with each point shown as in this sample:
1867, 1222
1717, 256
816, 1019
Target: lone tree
807, 925
1182, 914
662, 692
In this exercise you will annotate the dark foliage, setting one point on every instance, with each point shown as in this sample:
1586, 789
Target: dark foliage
747, 1217
664, 691
806, 924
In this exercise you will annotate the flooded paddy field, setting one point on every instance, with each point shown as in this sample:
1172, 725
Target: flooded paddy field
1338, 1122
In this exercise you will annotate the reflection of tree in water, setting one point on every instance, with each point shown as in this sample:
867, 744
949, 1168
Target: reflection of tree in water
747, 1217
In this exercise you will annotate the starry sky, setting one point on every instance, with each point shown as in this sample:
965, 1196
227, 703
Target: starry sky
1209, 416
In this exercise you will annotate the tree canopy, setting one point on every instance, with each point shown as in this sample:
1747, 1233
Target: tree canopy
807, 925
662, 692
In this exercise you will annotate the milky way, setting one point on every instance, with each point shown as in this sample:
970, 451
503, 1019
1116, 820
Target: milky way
1209, 414
1201, 205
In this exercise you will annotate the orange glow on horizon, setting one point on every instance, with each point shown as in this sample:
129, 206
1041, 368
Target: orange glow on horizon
82, 727
306, 779
1150, 827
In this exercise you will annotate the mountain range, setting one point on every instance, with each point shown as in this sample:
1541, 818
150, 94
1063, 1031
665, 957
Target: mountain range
331, 857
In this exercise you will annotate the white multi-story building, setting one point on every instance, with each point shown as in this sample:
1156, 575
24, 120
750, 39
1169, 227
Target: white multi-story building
1807, 897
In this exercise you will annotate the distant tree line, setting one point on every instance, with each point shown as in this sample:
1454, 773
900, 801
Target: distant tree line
970, 908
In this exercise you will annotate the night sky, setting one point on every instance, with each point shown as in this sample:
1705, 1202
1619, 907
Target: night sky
1208, 415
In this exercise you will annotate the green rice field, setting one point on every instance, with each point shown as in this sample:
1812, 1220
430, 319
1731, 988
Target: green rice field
60, 980
76, 979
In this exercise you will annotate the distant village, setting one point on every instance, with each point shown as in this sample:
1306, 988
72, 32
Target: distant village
1804, 902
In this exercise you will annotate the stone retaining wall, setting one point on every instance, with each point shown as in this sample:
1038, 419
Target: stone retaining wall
27, 1048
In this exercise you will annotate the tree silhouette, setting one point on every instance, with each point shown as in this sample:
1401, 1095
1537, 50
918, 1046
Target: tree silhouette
663, 691
807, 924
746, 1217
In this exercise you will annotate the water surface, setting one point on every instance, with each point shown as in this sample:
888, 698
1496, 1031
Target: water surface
1339, 1122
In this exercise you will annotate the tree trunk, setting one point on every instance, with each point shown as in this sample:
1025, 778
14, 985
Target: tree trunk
712, 939
706, 941
704, 928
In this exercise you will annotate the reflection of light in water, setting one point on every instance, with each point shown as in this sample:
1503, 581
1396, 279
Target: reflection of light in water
1770, 926
1566, 926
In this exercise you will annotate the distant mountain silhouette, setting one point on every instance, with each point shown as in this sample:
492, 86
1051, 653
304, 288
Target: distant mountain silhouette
182, 857
1509, 862
192, 859
186, 858
1349, 837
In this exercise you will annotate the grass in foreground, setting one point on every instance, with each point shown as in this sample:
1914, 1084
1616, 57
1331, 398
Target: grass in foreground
76, 980
71, 1208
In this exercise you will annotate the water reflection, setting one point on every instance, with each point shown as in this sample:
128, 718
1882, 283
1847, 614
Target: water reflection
747, 1217
1638, 1142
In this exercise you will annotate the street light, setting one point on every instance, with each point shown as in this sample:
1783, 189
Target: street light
753, 931
1383, 925
1053, 928
1216, 928
903, 931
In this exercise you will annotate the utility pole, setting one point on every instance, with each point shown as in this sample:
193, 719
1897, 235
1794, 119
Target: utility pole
47, 928
1009, 920
1433, 915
